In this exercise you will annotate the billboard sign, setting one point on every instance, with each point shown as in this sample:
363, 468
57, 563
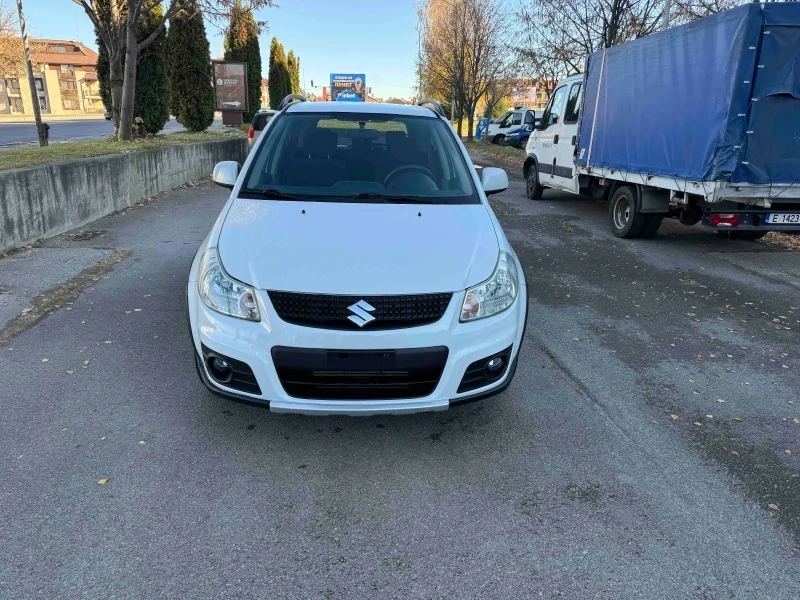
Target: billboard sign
230, 85
348, 87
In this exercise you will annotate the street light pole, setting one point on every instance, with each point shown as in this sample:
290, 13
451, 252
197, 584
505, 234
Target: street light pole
665, 15
37, 113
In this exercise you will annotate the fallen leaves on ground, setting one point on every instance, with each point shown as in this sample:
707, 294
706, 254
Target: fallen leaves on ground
102, 480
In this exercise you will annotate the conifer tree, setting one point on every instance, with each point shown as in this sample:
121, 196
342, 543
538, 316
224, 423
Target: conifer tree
190, 69
241, 45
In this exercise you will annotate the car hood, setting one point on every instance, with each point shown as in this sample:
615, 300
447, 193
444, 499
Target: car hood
358, 248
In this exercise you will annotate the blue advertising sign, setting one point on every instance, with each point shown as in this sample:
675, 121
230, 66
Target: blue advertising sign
348, 87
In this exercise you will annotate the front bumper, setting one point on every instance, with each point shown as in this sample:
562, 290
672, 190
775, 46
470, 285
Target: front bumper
252, 343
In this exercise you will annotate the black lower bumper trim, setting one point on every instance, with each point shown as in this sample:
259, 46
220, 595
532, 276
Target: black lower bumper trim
494, 391
222, 393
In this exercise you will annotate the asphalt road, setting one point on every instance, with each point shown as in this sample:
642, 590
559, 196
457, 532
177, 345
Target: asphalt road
608, 470
25, 133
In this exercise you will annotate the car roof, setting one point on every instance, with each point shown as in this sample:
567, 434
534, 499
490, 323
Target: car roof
362, 108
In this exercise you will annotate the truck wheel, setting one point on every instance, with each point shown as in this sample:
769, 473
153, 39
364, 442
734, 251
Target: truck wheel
747, 236
625, 221
651, 226
533, 188
497, 139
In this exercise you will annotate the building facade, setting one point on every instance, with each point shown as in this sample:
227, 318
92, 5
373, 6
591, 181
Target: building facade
65, 76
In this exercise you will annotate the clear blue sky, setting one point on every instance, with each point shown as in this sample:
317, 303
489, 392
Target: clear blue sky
375, 37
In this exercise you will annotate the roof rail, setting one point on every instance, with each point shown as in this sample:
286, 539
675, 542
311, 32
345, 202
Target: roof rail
437, 107
290, 99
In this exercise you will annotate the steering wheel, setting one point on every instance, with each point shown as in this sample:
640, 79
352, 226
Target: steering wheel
402, 169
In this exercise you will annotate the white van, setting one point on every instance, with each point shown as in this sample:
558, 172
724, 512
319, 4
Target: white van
511, 120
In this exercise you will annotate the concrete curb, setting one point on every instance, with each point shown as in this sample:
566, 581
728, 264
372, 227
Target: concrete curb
47, 200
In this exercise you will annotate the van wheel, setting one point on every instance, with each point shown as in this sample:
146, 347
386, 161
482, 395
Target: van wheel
498, 138
651, 226
747, 236
625, 221
533, 188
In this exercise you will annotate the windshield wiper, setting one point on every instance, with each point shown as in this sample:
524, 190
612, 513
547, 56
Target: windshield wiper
390, 199
273, 193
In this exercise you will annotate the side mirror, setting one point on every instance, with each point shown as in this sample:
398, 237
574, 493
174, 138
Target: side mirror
225, 173
494, 180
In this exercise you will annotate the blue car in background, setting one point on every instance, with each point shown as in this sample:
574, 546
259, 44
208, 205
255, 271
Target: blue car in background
517, 138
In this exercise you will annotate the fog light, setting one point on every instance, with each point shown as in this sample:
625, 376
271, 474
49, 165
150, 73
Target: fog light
220, 369
494, 367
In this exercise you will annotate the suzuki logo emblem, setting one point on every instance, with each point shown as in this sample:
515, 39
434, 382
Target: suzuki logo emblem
361, 310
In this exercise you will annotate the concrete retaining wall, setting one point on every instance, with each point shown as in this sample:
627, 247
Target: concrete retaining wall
43, 201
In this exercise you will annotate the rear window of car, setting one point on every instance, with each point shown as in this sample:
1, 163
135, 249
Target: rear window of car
260, 120
349, 157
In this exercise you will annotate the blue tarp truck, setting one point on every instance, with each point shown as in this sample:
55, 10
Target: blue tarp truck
699, 122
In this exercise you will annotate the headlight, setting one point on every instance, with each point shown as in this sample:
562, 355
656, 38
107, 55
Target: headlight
495, 294
221, 293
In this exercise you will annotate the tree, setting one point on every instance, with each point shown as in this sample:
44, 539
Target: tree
189, 63
557, 35
293, 64
115, 22
462, 57
152, 97
103, 73
12, 59
241, 45
280, 83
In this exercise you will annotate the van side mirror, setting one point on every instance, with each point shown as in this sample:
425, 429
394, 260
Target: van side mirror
225, 173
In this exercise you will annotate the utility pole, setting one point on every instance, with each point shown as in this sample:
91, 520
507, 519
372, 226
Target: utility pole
37, 113
665, 16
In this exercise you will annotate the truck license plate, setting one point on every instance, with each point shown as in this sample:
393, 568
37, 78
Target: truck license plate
784, 218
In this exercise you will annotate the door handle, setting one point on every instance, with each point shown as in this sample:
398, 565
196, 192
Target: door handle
555, 139
574, 139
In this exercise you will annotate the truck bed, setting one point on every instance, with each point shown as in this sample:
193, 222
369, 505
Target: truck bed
710, 108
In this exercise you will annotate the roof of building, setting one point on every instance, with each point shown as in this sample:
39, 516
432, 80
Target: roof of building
75, 53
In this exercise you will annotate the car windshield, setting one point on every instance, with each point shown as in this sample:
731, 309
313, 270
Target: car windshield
349, 157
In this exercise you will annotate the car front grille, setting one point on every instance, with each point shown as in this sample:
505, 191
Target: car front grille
316, 374
327, 311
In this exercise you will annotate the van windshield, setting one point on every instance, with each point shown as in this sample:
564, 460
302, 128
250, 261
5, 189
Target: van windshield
505, 120
349, 157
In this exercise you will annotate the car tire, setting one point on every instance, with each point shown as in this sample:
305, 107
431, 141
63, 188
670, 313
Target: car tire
523, 142
622, 216
498, 138
747, 236
533, 189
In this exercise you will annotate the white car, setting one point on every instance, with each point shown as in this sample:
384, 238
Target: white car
510, 121
357, 268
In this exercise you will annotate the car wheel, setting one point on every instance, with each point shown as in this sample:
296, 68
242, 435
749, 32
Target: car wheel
497, 139
533, 188
523, 142
624, 220
747, 236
